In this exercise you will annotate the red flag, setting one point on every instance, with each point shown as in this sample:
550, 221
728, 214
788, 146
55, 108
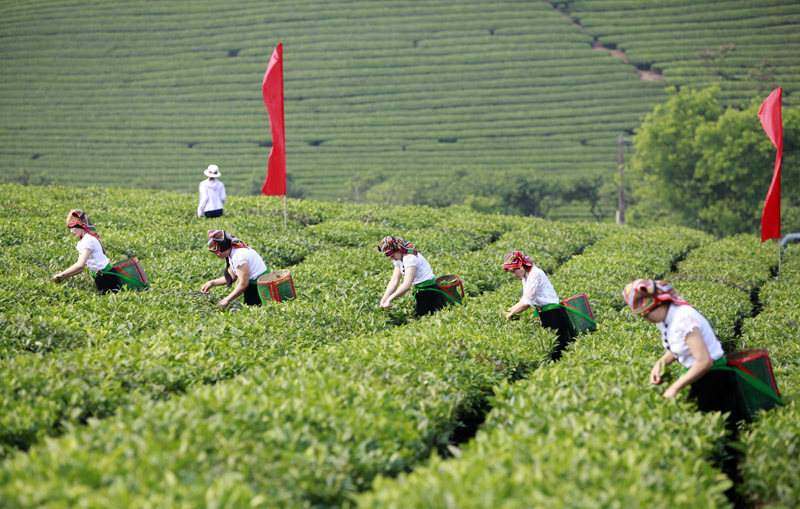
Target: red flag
770, 116
272, 90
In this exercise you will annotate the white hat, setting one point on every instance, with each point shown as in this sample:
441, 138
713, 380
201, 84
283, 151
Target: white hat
212, 171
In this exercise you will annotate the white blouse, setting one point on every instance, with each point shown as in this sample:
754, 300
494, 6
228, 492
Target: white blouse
97, 258
424, 270
537, 290
680, 321
212, 195
246, 255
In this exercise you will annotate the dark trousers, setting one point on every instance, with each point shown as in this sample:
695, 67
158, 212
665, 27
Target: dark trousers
428, 301
557, 320
107, 282
716, 392
213, 213
251, 297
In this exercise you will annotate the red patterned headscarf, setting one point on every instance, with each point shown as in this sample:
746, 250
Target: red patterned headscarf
390, 245
643, 295
515, 260
218, 241
77, 217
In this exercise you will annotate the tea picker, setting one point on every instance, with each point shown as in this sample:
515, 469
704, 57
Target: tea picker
241, 263
688, 339
416, 272
715, 383
538, 292
107, 278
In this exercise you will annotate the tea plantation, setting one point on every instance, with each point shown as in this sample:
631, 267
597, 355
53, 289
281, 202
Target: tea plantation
163, 399
147, 94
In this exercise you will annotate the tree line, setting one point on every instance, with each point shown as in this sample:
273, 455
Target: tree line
695, 162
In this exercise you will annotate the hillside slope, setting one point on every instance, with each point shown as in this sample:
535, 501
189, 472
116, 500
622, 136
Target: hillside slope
148, 94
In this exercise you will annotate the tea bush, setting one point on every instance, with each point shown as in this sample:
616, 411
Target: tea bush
248, 347
555, 438
170, 333
161, 398
771, 469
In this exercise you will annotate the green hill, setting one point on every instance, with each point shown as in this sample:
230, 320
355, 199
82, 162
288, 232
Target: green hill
163, 399
147, 94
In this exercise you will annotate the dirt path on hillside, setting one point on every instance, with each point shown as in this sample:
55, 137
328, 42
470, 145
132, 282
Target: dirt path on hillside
645, 75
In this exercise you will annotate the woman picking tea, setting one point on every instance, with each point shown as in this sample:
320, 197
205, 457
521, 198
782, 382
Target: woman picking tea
689, 340
241, 263
539, 292
90, 254
416, 272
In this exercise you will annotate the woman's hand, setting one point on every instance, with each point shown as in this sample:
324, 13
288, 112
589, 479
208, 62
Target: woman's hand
207, 287
224, 302
671, 392
655, 373
519, 307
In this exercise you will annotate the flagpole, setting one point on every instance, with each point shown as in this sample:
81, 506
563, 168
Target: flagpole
284, 212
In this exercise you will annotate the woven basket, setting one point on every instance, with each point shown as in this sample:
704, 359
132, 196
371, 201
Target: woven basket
452, 285
580, 314
135, 278
754, 363
276, 286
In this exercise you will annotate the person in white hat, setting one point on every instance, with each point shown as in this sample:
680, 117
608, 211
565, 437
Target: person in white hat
212, 193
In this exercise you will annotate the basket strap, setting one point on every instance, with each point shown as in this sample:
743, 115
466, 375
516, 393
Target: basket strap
450, 294
575, 311
100, 272
108, 269
430, 284
548, 307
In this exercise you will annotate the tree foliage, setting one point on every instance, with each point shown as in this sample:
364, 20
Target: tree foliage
709, 167
518, 192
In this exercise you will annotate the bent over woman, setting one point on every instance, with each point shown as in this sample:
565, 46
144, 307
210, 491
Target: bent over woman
91, 254
688, 339
414, 269
538, 291
241, 263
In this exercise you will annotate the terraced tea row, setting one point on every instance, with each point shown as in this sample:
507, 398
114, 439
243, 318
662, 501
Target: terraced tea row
747, 48
554, 438
408, 88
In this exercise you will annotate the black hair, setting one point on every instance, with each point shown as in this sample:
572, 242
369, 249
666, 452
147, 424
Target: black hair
224, 245
226, 274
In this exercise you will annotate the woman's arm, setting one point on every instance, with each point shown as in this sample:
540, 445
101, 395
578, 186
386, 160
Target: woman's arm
397, 273
519, 307
665, 360
411, 271
76, 267
702, 363
220, 281
534, 283
244, 281
530, 288
203, 199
